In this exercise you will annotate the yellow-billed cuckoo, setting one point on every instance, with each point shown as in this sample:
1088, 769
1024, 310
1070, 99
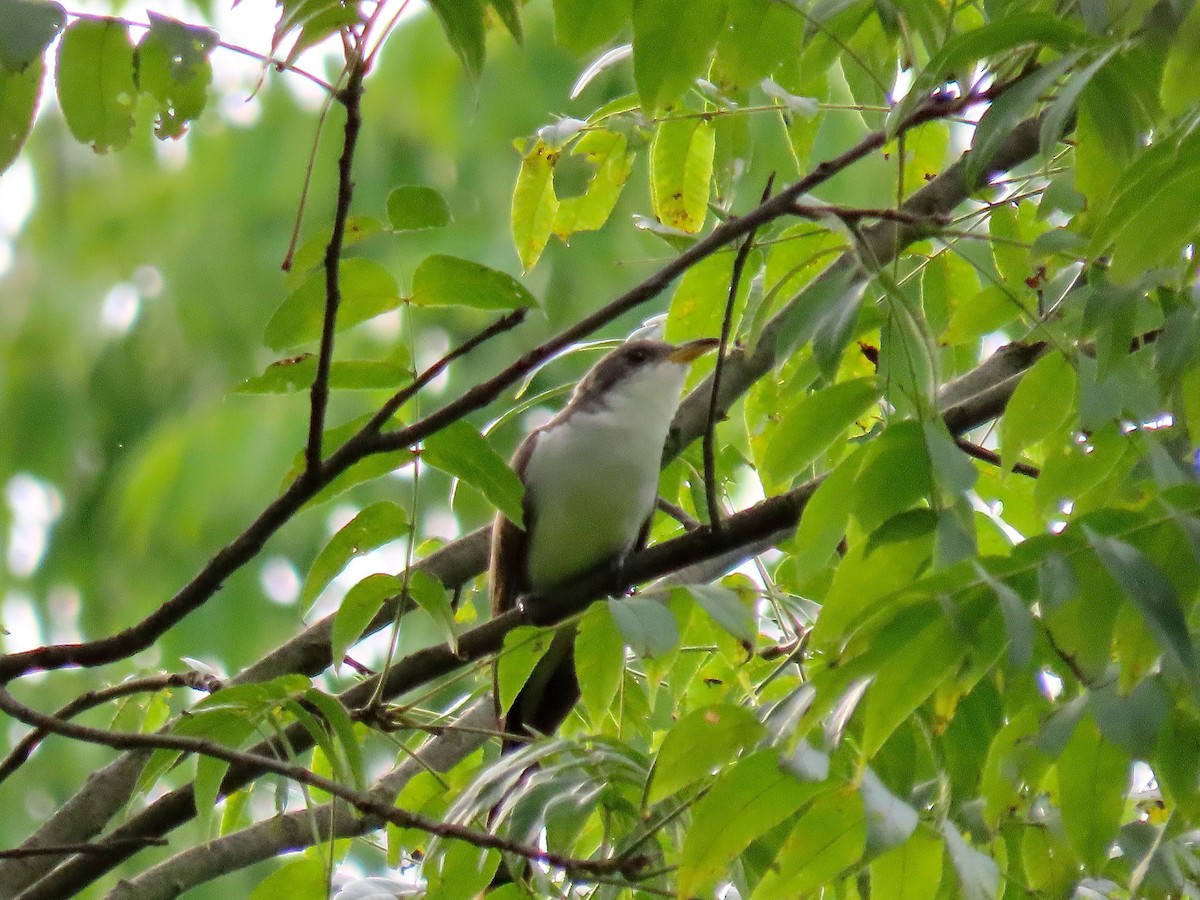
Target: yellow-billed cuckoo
591, 479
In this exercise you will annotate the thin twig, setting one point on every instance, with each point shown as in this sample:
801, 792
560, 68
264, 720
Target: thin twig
710, 454
679, 514
198, 681
351, 97
983, 454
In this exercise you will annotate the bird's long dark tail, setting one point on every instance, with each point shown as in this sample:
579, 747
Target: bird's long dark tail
548, 696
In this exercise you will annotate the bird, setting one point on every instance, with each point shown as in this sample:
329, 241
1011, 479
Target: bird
591, 481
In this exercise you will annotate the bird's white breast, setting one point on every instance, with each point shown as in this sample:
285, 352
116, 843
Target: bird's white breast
594, 476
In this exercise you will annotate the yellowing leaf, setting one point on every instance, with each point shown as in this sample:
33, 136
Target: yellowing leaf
534, 204
681, 165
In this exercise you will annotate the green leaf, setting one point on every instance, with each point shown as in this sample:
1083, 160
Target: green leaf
367, 290
302, 878
357, 609
978, 874
95, 77
825, 312
378, 524
523, 647
1023, 30
19, 92
312, 251
462, 21
411, 207
825, 517
583, 25
1178, 90
672, 43
648, 627
459, 871
431, 596
173, 67
1058, 114
700, 743
29, 27
828, 839
534, 204
450, 281
698, 304
744, 803
324, 24
232, 732
509, 12
812, 425
463, 452
681, 164
1152, 595
1041, 407
1157, 233
908, 872
1092, 778
599, 661
727, 609
372, 467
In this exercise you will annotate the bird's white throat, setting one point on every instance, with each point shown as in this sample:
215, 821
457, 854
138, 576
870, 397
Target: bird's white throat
593, 475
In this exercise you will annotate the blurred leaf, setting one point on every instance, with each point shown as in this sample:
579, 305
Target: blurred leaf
357, 609
303, 878
312, 251
19, 92
823, 523
342, 729
509, 12
296, 373
811, 426
703, 741
599, 661
827, 840
760, 35
431, 596
744, 803
411, 207
30, 26
908, 872
462, 21
825, 312
727, 609
534, 205
978, 874
378, 524
458, 870
463, 452
1151, 593
1018, 621
95, 78
367, 290
1092, 779
681, 165
1178, 89
210, 770
672, 43
450, 281
648, 627
583, 25
890, 821
523, 647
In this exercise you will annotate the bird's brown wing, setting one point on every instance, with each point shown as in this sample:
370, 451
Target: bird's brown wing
508, 575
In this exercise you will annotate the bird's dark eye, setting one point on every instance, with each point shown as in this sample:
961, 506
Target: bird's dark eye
639, 354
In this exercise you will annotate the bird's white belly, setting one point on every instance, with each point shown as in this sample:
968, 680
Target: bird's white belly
596, 485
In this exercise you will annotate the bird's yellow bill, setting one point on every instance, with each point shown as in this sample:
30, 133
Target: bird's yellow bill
692, 349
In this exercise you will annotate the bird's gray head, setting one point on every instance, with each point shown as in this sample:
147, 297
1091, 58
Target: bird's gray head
636, 359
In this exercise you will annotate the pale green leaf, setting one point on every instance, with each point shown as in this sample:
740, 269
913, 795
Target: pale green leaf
908, 872
672, 43
523, 647
648, 627
828, 839
1093, 776
599, 661
583, 25
450, 281
357, 609
700, 743
1041, 407
296, 373
303, 878
378, 524
411, 207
